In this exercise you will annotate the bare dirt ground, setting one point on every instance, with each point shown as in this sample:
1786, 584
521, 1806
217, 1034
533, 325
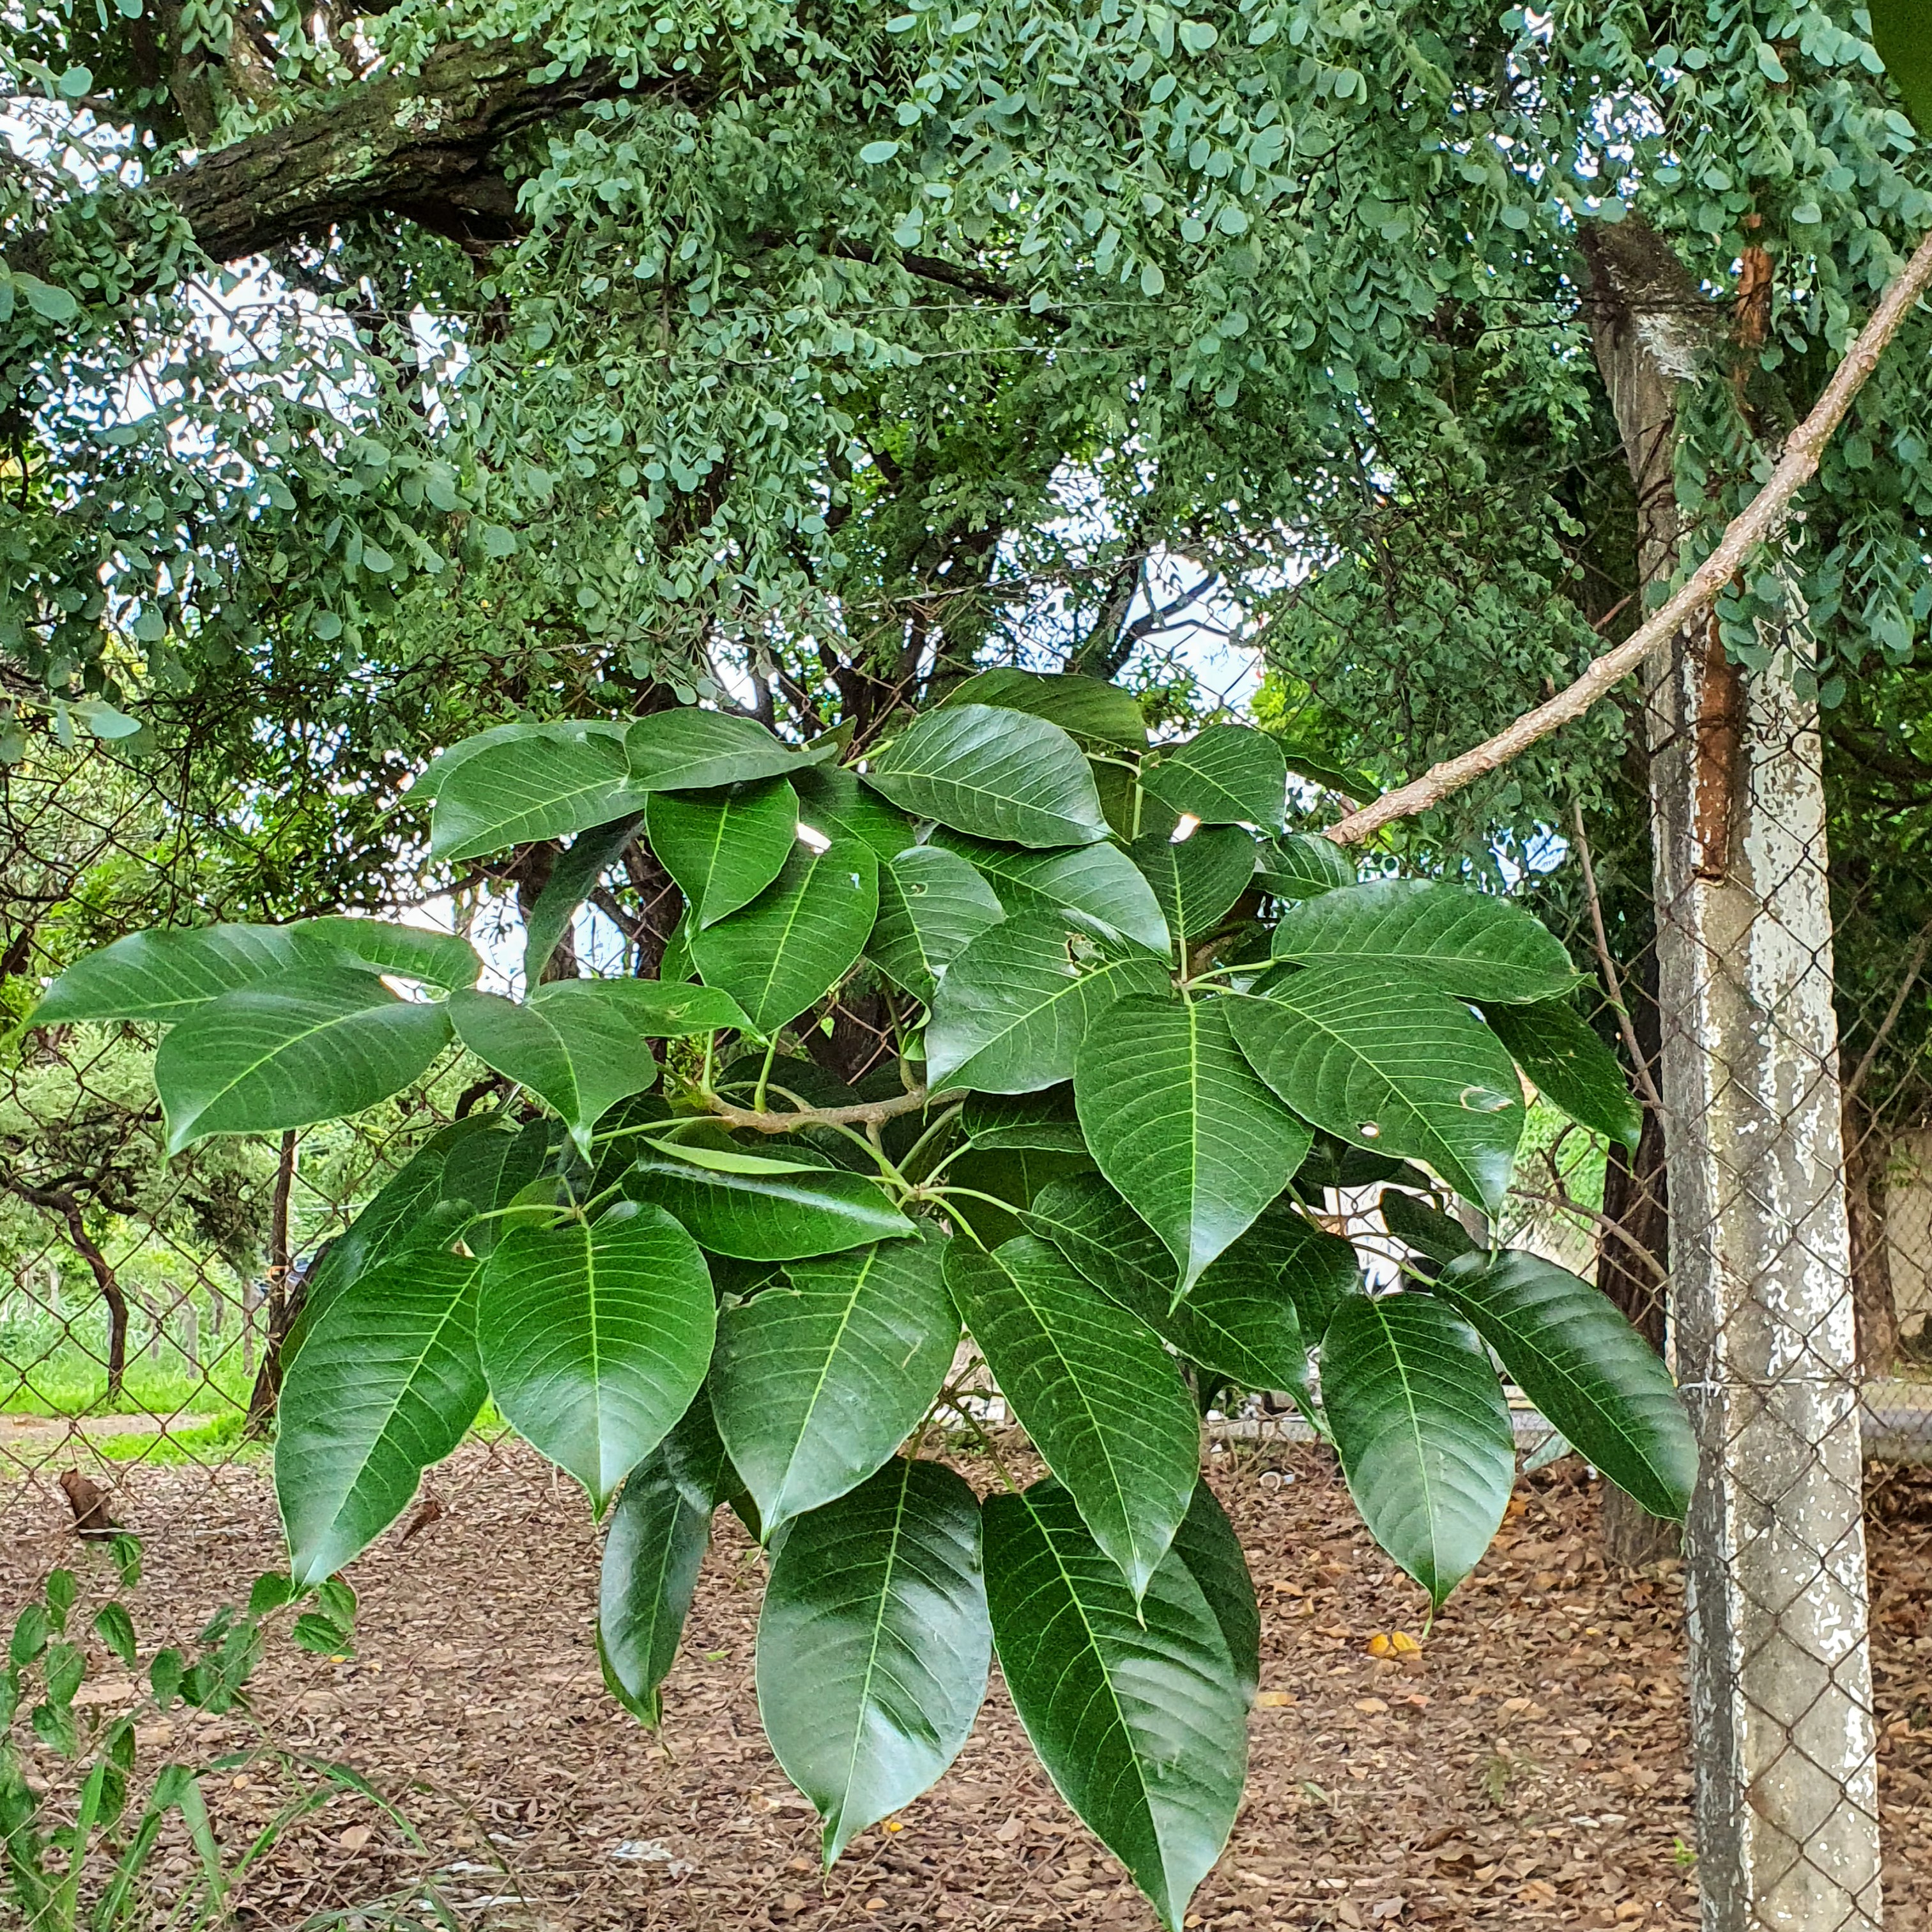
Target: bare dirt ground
1528, 1768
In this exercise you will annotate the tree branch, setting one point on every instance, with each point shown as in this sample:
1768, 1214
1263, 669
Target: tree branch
866, 1114
1760, 520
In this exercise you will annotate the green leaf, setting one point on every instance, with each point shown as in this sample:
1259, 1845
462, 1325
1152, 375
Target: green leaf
1089, 707
1198, 879
873, 1644
831, 800
1427, 1229
1011, 1012
1135, 1708
724, 1159
115, 1628
579, 1059
786, 950
1044, 1122
386, 1383
568, 730
1318, 1270
1570, 1065
816, 1383
770, 1217
1012, 1176
932, 905
165, 976
690, 750
1181, 1127
316, 1044
1309, 761
51, 303
595, 1338
1394, 1067
1094, 1389
1903, 36
995, 773
443, 959
592, 854
1473, 944
1099, 880
1207, 1543
1227, 774
490, 1172
1303, 865
526, 788
1422, 1430
874, 152
1588, 1371
724, 847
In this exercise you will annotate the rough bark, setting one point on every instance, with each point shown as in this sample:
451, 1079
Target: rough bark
284, 1299
1760, 1287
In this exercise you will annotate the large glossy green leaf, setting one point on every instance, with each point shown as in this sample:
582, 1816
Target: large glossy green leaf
1586, 1369
1318, 1270
932, 905
1094, 1389
1087, 706
527, 788
1227, 774
801, 936
376, 945
1303, 865
1099, 880
831, 800
724, 847
1181, 1125
996, 773
1135, 1708
1198, 878
1392, 1066
652, 1550
1207, 1543
1423, 1432
770, 1217
1241, 1321
165, 976
592, 854
386, 1384
691, 750
568, 730
1903, 36
1013, 1008
818, 1380
1569, 1065
1045, 1122
596, 1338
577, 1057
317, 1042
873, 1644
1473, 944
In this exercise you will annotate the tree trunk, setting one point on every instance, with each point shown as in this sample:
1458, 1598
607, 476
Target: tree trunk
284, 1297
1760, 1284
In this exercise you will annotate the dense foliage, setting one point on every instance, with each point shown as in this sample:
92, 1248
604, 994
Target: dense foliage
1136, 1029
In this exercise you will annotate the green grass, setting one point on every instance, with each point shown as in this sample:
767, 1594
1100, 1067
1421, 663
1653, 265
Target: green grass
71, 1382
221, 1441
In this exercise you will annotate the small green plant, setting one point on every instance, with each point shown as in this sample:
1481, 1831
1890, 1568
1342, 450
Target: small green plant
78, 1848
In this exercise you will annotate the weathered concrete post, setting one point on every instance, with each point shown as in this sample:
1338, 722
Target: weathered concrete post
1761, 1296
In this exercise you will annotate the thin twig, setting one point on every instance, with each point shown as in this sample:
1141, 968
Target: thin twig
1915, 965
1639, 1063
1564, 1203
1760, 521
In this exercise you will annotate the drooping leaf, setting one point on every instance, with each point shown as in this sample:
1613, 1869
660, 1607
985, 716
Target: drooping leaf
1588, 1371
577, 1056
1571, 1067
317, 1043
1197, 880
1903, 38
1013, 1008
1227, 774
649, 1008
1427, 1229
724, 847
1099, 880
375, 945
874, 1644
1135, 1707
1394, 1067
691, 750
932, 905
1422, 1430
1470, 944
527, 788
816, 1382
386, 1384
595, 1339
1094, 1389
1207, 1543
1089, 707
1044, 1123
831, 800
592, 854
993, 772
801, 936
165, 975
1181, 1125
1302, 865
772, 1217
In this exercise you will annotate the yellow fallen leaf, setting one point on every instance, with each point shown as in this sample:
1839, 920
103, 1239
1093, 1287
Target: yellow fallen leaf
1274, 1700
891, 1825
1374, 1706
